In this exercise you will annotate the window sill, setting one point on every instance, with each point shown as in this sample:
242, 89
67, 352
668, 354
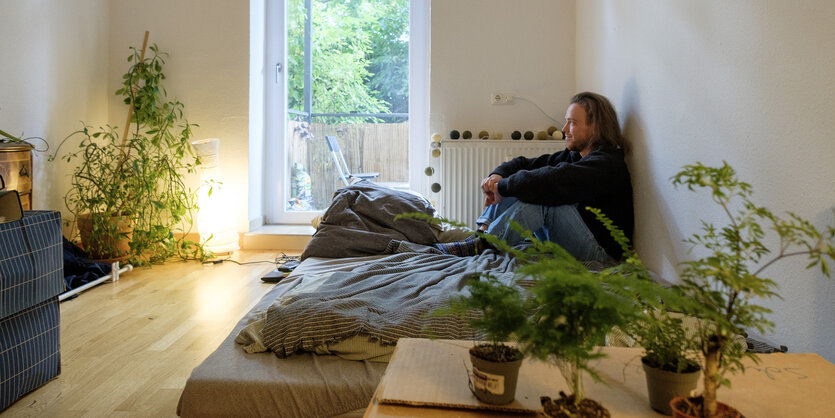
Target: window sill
278, 237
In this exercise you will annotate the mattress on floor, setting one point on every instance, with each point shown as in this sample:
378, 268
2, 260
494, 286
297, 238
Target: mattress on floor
231, 382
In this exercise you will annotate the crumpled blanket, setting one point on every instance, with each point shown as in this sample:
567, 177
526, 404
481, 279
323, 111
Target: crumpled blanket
387, 299
78, 269
360, 222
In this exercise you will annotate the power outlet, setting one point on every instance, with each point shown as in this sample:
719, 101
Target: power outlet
501, 97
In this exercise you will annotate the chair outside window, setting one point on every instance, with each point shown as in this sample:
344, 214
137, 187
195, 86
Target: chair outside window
344, 173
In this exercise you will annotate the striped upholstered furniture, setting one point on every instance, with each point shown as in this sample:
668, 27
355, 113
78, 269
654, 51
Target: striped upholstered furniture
31, 277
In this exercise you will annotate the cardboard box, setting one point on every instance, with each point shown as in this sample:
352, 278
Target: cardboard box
427, 378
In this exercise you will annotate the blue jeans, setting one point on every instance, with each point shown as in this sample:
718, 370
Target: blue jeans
560, 224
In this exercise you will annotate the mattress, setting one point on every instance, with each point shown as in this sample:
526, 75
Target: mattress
231, 382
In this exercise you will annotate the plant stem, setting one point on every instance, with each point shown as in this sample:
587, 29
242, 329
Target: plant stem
10, 136
130, 108
781, 256
711, 370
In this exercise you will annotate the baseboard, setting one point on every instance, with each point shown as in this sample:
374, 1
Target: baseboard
278, 237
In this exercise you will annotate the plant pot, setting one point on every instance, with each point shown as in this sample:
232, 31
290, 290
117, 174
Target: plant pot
663, 386
494, 382
111, 239
681, 407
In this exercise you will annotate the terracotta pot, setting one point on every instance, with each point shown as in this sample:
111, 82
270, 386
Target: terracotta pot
663, 386
107, 249
679, 407
494, 382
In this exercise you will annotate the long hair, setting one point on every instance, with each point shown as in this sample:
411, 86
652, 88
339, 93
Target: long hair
602, 116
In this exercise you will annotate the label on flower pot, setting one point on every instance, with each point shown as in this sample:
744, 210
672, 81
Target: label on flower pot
487, 382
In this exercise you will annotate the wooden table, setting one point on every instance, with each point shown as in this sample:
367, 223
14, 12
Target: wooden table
427, 378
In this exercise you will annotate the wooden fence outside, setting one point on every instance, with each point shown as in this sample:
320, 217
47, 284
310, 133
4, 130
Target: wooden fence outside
367, 147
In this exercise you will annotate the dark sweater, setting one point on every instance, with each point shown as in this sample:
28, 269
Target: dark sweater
600, 180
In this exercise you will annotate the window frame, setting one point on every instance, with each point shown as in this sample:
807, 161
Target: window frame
275, 145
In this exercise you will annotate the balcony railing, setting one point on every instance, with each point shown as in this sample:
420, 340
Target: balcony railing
367, 146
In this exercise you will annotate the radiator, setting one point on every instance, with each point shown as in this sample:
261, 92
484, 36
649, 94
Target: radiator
464, 163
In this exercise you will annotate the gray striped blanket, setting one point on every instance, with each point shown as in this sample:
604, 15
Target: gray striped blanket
387, 299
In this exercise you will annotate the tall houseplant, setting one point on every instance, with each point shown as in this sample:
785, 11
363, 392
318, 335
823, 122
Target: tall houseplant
131, 188
726, 283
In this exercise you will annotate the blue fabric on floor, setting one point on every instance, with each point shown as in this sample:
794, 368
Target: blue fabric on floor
78, 269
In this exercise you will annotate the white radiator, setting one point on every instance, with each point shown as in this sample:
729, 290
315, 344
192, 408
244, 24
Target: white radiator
464, 163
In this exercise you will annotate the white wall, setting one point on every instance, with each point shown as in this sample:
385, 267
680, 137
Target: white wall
750, 82
207, 69
52, 76
479, 46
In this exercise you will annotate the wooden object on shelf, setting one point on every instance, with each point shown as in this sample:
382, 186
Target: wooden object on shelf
16, 169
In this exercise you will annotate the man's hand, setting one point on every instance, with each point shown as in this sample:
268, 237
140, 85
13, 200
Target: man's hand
490, 188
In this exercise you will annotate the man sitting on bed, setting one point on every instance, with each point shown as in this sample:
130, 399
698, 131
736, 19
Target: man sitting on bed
549, 194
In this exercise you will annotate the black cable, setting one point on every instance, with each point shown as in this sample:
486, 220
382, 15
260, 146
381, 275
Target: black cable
280, 259
26, 141
248, 262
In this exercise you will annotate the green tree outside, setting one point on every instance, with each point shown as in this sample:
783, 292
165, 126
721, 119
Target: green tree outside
360, 56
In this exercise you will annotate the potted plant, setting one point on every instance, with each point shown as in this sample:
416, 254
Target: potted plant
127, 194
500, 309
571, 309
726, 283
496, 310
668, 362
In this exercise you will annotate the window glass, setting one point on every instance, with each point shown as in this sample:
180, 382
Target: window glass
347, 76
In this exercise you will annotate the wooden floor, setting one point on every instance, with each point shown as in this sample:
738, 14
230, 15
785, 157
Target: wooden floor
128, 347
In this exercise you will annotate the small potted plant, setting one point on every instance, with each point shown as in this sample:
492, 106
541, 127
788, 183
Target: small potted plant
669, 364
668, 361
500, 309
127, 194
496, 310
726, 283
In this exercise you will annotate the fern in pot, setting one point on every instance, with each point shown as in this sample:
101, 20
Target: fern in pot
669, 361
127, 194
727, 282
496, 309
499, 309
